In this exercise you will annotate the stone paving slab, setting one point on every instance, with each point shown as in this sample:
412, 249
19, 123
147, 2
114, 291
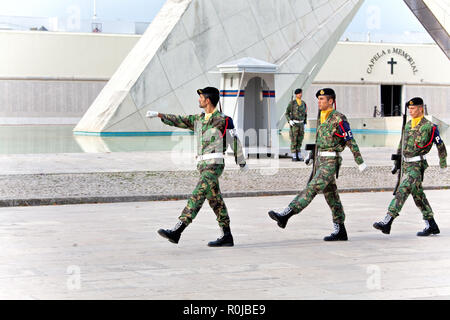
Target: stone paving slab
163, 161
47, 189
141, 176
112, 251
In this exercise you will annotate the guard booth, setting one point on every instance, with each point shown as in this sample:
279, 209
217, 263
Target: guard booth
247, 94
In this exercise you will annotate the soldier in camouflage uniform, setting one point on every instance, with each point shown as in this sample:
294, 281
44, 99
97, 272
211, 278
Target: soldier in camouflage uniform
214, 132
333, 135
419, 136
296, 117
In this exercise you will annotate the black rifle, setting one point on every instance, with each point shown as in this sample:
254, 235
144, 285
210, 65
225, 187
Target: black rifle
312, 148
398, 157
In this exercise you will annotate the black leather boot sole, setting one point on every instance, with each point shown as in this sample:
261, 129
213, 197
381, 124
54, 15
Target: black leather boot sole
225, 244
336, 238
428, 232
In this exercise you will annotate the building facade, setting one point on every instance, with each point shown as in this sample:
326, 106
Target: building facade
384, 76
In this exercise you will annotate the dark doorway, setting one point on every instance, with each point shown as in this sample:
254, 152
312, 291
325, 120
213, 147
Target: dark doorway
391, 99
255, 113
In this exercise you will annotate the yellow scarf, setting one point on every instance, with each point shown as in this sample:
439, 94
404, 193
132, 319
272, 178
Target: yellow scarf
299, 101
208, 115
324, 115
415, 121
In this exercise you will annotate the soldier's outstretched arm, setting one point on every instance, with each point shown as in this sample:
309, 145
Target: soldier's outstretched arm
184, 122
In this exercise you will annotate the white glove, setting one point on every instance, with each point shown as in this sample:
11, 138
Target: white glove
151, 114
443, 170
243, 169
291, 123
362, 167
308, 157
304, 127
233, 132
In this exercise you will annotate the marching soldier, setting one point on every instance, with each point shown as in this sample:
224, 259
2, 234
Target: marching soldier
214, 131
333, 135
296, 117
419, 136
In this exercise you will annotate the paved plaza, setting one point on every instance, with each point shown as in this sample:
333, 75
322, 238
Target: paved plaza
175, 160
48, 179
112, 251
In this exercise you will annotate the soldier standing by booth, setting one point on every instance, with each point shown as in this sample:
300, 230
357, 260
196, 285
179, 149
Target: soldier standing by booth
296, 113
333, 135
215, 132
419, 135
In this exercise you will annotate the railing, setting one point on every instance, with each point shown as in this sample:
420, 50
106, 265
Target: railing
396, 112
378, 113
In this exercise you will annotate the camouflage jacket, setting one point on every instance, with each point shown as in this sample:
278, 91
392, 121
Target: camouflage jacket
296, 112
335, 134
213, 135
419, 140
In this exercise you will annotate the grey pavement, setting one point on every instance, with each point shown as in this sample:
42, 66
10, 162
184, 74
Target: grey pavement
162, 161
45, 179
112, 251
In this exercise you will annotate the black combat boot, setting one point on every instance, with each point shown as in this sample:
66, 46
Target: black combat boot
385, 225
282, 217
174, 234
431, 228
226, 240
339, 233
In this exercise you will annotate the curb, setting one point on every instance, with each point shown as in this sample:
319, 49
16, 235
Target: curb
171, 197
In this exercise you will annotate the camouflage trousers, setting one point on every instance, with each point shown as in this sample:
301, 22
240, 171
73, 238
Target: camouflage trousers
296, 134
411, 184
207, 188
323, 181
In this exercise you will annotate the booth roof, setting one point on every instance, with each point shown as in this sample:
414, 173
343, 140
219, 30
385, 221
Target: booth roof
248, 64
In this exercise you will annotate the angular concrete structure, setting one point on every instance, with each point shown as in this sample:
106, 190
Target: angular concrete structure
189, 38
435, 18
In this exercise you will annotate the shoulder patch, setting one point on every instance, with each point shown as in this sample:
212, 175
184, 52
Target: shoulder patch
345, 131
436, 137
230, 123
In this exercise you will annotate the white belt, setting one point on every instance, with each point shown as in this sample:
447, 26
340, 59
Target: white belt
414, 159
209, 156
296, 121
328, 154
